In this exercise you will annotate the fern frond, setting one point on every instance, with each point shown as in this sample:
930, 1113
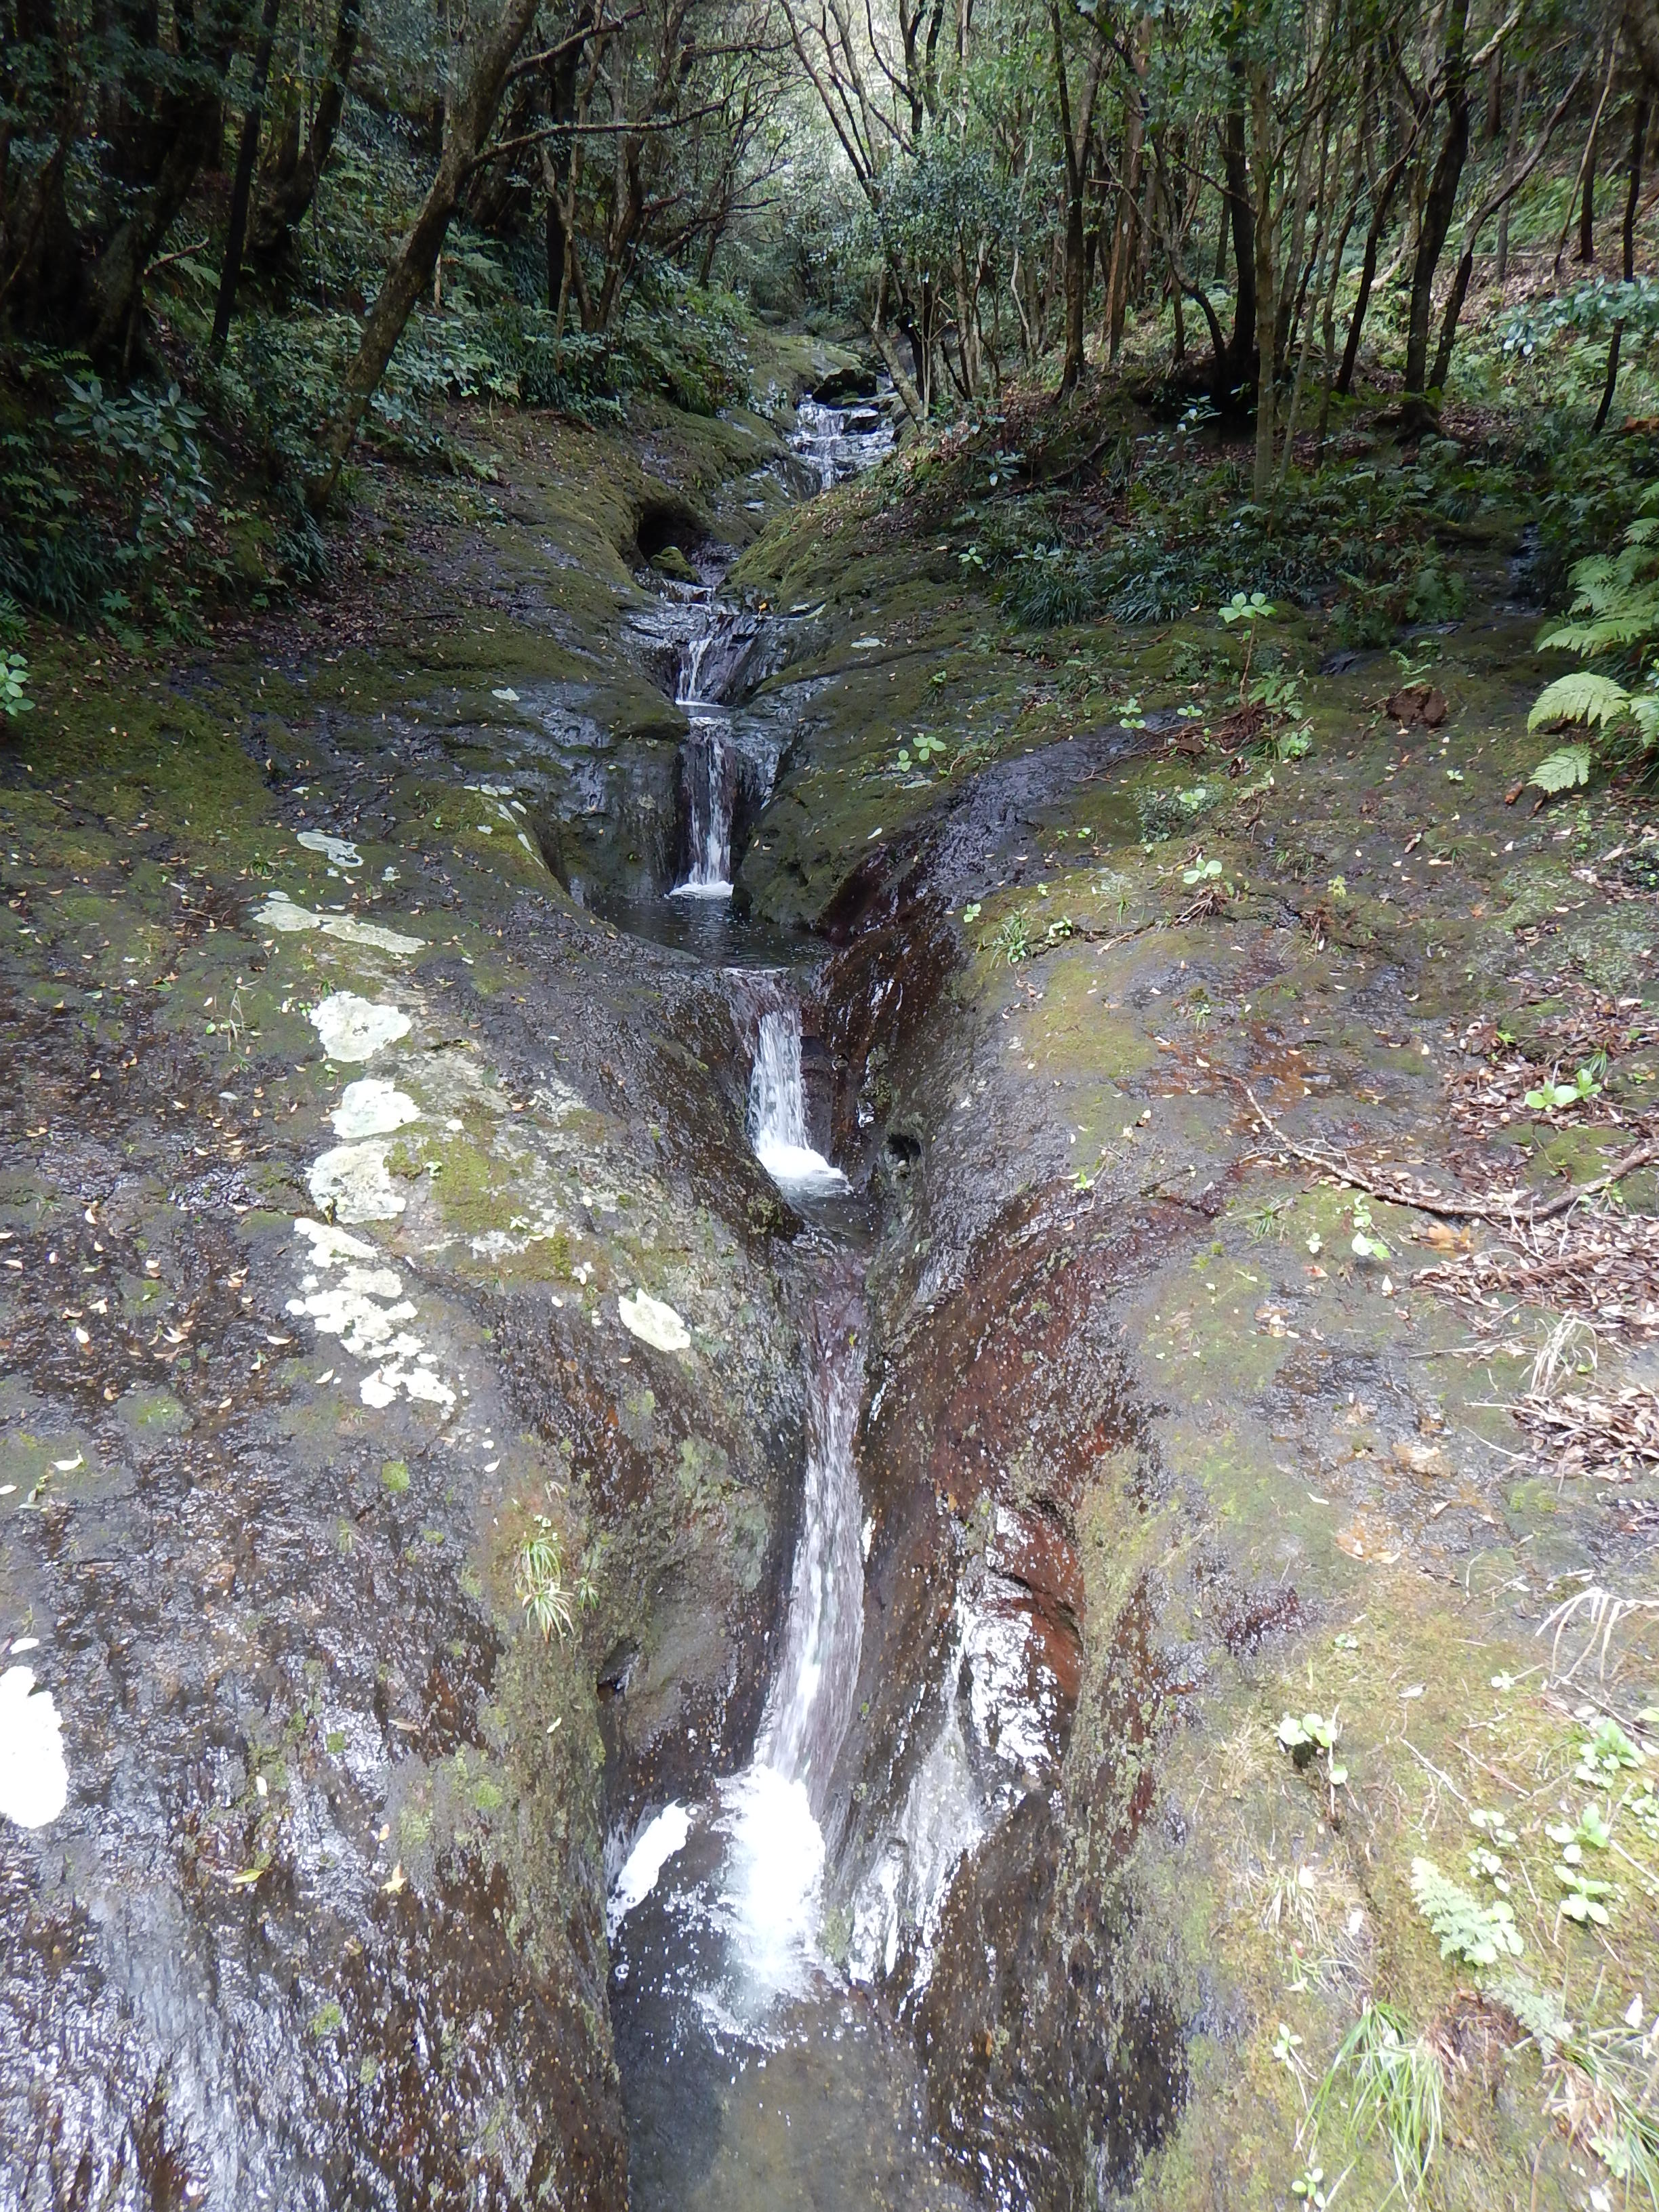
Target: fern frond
1579, 696
1478, 1935
1562, 771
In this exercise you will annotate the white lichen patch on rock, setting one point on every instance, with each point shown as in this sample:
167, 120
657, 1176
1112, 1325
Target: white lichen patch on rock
356, 1029
419, 1381
653, 1322
353, 1181
365, 1307
280, 912
34, 1774
371, 1108
339, 852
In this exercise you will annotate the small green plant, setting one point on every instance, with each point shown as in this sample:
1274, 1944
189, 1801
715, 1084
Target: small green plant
1478, 1935
1583, 1900
1484, 1861
14, 680
1202, 872
542, 1590
1012, 939
920, 751
1551, 1097
1604, 1756
1249, 608
1398, 2089
971, 912
1367, 1244
1314, 1736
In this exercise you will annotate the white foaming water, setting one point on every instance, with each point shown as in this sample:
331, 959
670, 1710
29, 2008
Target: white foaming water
811, 1698
765, 1897
777, 1112
658, 1842
840, 441
707, 766
775, 1866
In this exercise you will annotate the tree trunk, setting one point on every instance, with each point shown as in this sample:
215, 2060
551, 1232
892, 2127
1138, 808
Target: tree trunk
1512, 182
1126, 230
1074, 244
115, 294
1368, 273
1510, 156
1587, 199
468, 125
888, 352
1242, 342
1437, 210
1267, 314
1640, 23
289, 184
1637, 139
243, 184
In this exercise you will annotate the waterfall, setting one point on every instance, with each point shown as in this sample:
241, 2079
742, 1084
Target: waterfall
777, 1112
707, 768
811, 1698
836, 442
775, 1866
709, 779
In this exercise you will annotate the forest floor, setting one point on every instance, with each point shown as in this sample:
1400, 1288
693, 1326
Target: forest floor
1218, 1331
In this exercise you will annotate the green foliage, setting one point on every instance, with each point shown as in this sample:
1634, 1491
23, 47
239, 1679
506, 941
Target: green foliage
1617, 597
14, 682
1478, 1935
1247, 607
1310, 1736
1553, 1095
1051, 587
1172, 813
1605, 1756
1397, 2088
1367, 1244
1587, 310
541, 1584
148, 443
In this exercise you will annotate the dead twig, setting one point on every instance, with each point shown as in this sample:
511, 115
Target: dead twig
1493, 1206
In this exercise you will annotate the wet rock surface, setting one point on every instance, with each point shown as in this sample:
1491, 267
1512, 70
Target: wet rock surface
322, 1921
1147, 1453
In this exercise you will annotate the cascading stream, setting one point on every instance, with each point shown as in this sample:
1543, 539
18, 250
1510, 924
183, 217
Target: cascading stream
708, 771
837, 442
754, 2074
777, 1111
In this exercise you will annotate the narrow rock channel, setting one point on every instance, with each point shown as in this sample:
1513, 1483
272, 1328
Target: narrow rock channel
672, 1428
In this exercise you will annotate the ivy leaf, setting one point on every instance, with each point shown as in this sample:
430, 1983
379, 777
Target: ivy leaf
1580, 697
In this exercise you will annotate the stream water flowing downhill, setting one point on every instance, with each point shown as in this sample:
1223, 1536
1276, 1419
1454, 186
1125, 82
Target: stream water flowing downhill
755, 2073
828, 1229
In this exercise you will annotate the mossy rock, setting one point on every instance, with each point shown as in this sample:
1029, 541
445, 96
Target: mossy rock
672, 563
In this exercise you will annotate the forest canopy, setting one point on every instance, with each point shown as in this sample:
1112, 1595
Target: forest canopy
256, 230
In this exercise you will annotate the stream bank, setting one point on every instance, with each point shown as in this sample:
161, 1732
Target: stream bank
1145, 1455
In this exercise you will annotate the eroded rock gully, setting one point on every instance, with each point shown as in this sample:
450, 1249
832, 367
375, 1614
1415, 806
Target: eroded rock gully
929, 1457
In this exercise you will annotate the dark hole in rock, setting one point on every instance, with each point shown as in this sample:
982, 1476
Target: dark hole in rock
845, 385
616, 1672
666, 524
903, 1148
